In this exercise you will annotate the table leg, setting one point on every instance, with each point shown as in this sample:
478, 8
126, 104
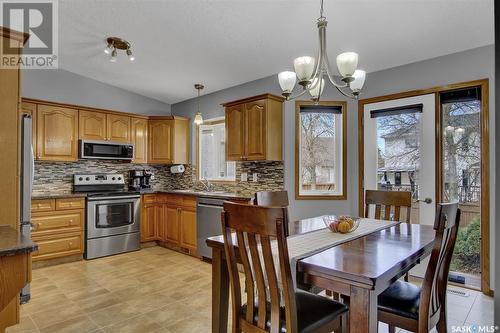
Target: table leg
220, 292
362, 311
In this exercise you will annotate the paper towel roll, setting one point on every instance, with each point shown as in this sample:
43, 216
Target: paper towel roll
177, 168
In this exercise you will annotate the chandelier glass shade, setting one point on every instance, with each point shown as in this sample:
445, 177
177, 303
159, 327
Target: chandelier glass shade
310, 72
198, 118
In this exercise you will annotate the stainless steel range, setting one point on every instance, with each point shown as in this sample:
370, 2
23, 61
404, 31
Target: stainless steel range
113, 214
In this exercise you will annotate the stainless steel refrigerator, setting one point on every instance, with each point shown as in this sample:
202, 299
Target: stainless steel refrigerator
27, 169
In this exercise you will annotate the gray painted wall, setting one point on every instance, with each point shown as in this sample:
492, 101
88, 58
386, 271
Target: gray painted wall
58, 85
464, 66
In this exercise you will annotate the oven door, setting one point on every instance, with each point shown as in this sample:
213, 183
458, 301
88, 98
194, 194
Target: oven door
106, 150
113, 216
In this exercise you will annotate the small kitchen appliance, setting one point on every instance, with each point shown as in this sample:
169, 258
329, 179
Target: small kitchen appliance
139, 179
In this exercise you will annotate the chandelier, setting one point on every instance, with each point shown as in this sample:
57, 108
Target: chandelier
310, 72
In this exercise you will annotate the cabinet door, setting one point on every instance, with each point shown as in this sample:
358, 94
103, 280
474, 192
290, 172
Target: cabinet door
160, 141
160, 222
255, 130
140, 139
91, 125
30, 108
118, 128
172, 217
148, 224
234, 133
188, 229
57, 133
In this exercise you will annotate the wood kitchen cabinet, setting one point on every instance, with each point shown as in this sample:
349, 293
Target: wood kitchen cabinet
168, 140
139, 136
58, 227
92, 125
118, 128
57, 133
170, 219
102, 126
254, 128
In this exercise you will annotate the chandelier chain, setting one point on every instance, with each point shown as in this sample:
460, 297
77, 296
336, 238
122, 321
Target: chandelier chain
321, 16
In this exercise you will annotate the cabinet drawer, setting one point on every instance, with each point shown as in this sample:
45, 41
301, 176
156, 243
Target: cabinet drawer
180, 200
149, 198
48, 223
70, 203
65, 245
43, 205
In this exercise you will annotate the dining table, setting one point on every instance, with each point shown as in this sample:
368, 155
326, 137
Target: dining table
360, 268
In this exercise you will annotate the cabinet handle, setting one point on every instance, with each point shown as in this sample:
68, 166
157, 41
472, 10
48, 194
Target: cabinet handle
70, 244
71, 221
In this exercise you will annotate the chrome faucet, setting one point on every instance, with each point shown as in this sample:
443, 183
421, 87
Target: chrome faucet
206, 184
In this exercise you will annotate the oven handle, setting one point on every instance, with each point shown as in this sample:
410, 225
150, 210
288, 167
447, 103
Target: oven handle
114, 198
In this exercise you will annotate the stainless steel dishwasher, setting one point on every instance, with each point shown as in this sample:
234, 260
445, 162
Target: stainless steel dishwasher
208, 223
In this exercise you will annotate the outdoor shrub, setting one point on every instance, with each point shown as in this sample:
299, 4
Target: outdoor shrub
468, 248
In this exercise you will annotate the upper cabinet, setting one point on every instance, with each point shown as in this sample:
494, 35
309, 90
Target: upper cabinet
168, 140
118, 128
140, 139
254, 128
95, 125
57, 133
58, 127
92, 125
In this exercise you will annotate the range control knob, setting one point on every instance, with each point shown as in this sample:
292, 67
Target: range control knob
80, 179
119, 178
87, 178
113, 178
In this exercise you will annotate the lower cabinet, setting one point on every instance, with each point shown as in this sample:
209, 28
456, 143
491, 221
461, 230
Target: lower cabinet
170, 220
58, 227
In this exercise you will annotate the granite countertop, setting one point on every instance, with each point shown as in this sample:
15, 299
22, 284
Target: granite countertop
48, 195
12, 242
204, 194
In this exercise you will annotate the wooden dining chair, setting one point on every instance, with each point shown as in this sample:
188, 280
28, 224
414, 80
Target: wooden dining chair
275, 199
392, 202
271, 198
251, 228
417, 309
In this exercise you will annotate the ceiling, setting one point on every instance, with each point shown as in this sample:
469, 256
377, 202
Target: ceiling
223, 43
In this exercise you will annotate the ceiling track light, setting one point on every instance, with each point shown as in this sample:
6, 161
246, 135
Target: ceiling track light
115, 43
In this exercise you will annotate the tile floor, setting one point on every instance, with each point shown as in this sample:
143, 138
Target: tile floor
152, 290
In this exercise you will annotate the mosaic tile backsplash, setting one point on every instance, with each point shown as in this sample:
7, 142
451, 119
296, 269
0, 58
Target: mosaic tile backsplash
57, 177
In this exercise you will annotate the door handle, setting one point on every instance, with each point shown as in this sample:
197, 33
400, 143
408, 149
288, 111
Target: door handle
426, 200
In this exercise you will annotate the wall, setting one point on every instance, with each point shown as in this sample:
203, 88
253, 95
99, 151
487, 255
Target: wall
57, 178
58, 85
464, 66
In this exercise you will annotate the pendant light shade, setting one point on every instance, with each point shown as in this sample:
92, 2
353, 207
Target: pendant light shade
359, 80
287, 81
198, 118
304, 67
317, 88
347, 63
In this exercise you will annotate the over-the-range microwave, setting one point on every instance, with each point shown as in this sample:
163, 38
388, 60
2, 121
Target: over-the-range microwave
106, 150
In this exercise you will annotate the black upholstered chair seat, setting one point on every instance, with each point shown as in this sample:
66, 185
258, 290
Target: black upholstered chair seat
401, 298
313, 312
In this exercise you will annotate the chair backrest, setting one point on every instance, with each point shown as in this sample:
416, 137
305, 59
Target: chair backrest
388, 199
271, 198
275, 199
436, 277
251, 228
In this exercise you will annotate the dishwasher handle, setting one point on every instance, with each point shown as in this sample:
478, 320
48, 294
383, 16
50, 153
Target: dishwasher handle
210, 206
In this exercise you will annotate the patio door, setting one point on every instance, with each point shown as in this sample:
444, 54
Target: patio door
400, 153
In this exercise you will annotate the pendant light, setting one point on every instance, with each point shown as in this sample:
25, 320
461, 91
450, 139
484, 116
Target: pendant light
198, 119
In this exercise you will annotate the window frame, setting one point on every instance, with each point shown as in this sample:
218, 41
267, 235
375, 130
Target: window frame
343, 172
213, 121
